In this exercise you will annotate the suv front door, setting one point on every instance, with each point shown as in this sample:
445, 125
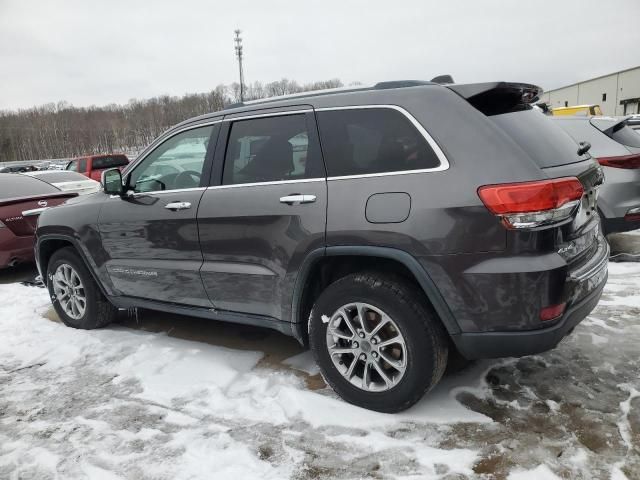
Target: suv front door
265, 212
151, 235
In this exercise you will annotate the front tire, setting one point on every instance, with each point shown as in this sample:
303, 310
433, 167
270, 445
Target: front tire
377, 341
74, 293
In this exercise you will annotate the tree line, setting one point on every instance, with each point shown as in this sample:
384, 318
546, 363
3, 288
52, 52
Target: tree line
63, 131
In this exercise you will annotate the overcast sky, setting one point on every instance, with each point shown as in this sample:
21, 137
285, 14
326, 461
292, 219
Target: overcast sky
100, 52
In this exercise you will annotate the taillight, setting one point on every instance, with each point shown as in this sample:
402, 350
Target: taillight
533, 204
632, 215
628, 162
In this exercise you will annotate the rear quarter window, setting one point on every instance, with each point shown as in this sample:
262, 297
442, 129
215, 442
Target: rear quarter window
372, 140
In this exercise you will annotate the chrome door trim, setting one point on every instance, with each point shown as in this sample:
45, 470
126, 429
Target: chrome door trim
159, 192
386, 174
444, 162
276, 182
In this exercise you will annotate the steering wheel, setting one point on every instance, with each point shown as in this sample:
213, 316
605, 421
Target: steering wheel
187, 179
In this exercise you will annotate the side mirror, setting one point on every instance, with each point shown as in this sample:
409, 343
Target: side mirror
111, 182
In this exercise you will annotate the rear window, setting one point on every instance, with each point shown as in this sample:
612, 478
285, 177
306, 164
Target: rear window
16, 186
625, 136
109, 162
546, 143
376, 140
581, 130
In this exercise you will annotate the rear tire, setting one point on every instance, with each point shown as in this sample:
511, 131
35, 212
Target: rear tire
411, 338
76, 297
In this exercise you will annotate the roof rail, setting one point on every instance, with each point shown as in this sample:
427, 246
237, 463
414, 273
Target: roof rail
400, 84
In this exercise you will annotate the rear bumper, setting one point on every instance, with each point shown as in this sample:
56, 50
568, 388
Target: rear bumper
14, 249
521, 343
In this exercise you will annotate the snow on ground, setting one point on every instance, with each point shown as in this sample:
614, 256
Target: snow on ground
175, 398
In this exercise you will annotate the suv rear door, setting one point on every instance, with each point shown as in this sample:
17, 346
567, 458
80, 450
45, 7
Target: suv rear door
151, 235
265, 210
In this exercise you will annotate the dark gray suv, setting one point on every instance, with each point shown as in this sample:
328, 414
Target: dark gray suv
387, 227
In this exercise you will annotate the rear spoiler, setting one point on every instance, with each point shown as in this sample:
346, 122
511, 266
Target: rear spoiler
30, 198
494, 98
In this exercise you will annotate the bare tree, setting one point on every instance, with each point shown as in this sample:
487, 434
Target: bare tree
62, 131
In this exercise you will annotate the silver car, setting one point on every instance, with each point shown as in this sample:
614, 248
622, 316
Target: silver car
617, 148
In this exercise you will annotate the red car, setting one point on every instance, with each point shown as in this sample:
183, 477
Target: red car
93, 165
22, 199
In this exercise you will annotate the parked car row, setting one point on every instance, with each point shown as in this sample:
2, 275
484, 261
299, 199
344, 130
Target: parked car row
386, 227
23, 199
617, 148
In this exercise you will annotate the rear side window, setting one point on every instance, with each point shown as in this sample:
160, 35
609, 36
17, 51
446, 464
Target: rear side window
372, 140
15, 186
108, 162
271, 149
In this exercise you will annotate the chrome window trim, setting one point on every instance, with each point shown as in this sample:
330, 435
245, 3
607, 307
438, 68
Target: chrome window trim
384, 174
444, 162
132, 194
275, 182
262, 115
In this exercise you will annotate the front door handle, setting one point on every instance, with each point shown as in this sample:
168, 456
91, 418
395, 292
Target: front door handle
175, 206
297, 198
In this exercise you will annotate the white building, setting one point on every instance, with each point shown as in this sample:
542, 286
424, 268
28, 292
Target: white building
617, 93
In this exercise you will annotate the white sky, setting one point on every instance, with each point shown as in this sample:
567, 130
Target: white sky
98, 52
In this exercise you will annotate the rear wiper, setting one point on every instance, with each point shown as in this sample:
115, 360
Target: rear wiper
584, 148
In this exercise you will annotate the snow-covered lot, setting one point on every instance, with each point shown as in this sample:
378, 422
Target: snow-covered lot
175, 398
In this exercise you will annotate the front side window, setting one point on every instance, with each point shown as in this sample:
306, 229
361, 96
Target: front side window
271, 149
176, 163
82, 165
372, 140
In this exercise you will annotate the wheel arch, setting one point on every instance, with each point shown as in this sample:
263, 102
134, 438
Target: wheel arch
309, 280
47, 245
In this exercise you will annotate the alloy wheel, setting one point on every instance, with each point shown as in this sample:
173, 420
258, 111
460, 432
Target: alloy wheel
366, 347
69, 291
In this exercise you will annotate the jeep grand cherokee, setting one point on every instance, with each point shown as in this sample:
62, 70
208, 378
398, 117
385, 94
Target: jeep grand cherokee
385, 227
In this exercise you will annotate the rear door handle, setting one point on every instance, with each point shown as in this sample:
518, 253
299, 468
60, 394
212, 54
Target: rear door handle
297, 198
177, 206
